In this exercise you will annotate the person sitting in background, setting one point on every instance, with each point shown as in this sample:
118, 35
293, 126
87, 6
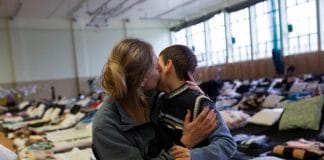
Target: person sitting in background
212, 88
289, 78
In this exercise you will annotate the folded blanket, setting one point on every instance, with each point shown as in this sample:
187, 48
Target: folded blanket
300, 149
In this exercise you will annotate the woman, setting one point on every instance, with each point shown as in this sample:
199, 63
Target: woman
123, 126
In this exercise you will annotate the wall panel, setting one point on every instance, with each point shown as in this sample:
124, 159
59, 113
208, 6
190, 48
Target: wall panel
304, 63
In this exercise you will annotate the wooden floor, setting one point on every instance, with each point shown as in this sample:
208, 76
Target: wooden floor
6, 142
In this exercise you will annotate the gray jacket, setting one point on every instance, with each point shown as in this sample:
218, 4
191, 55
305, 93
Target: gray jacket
117, 137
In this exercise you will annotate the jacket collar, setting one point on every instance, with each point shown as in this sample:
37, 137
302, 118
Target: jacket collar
177, 91
126, 122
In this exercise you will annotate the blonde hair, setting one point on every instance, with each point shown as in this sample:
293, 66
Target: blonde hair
126, 68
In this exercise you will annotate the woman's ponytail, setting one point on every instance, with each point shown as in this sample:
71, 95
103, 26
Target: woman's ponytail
114, 79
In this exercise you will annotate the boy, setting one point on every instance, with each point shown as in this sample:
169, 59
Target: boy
174, 64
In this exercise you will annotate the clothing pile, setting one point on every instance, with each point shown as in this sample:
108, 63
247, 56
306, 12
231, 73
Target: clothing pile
300, 149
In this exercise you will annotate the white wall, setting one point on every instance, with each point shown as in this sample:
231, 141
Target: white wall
160, 38
157, 34
98, 45
93, 46
6, 70
47, 54
44, 49
40, 49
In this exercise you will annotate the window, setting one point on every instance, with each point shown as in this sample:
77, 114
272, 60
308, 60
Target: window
240, 31
217, 39
180, 37
196, 41
265, 29
302, 26
211, 44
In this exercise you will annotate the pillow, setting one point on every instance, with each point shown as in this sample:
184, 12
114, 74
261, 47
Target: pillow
305, 114
234, 119
321, 88
272, 100
311, 86
298, 87
266, 117
225, 103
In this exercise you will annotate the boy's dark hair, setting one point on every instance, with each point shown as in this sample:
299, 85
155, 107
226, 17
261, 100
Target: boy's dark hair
182, 58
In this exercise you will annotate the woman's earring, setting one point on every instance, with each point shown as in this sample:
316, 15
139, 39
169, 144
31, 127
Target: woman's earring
143, 82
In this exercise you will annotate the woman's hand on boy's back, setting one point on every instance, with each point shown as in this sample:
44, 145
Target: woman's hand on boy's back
192, 84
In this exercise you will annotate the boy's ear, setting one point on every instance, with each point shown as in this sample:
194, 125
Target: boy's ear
169, 65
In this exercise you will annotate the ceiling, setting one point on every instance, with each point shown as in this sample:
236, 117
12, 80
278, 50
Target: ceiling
101, 11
